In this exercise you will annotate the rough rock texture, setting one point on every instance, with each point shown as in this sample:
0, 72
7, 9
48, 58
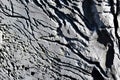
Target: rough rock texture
59, 40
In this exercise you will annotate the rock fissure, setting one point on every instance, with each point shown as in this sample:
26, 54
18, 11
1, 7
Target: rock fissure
59, 40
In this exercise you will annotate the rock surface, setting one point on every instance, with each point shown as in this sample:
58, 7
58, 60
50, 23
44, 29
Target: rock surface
59, 40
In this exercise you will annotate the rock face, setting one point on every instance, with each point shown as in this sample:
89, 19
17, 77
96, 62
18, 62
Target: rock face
59, 40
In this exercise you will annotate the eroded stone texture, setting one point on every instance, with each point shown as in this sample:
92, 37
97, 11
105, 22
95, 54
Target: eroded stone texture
59, 40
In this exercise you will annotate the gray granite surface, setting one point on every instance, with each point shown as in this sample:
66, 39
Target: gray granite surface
59, 40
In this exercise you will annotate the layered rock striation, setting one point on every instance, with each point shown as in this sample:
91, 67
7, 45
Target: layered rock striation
59, 40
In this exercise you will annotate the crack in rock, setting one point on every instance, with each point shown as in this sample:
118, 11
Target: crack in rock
59, 40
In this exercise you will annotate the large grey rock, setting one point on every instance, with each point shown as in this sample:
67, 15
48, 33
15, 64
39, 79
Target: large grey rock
59, 40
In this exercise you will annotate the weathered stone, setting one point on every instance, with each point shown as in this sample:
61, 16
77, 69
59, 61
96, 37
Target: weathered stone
59, 40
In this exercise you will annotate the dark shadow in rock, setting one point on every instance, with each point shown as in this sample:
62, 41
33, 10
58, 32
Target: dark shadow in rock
104, 38
27, 1
96, 75
26, 68
109, 57
32, 73
88, 14
58, 4
65, 2
0, 50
